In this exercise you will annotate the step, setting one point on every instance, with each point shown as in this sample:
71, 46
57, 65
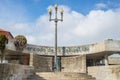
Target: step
64, 76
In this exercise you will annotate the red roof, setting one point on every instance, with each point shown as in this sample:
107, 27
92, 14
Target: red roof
6, 33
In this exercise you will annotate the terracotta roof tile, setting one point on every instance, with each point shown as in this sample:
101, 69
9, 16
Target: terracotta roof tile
6, 33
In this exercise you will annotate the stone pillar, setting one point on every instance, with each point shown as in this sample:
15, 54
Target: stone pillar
106, 60
31, 60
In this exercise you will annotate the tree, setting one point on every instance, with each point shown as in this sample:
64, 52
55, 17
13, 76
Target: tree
20, 42
3, 42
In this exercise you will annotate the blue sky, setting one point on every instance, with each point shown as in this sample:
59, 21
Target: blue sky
85, 21
32, 9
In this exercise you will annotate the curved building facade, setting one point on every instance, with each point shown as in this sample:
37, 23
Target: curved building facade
79, 59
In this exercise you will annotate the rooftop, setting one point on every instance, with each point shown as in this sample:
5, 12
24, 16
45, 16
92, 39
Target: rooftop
6, 33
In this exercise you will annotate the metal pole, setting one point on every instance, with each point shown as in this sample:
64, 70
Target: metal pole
56, 65
56, 20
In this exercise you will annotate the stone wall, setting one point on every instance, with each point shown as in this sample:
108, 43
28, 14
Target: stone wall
105, 72
67, 63
114, 60
42, 63
15, 72
73, 64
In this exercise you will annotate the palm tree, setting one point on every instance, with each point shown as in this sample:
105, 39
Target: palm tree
20, 43
3, 42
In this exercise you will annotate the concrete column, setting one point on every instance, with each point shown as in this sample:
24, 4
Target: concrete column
106, 60
31, 60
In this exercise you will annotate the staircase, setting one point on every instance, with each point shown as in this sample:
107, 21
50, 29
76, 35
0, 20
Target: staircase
62, 76
31, 75
22, 72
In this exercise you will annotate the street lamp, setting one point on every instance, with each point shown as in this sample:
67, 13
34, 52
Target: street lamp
56, 20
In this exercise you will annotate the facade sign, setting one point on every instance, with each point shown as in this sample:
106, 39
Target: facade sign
43, 50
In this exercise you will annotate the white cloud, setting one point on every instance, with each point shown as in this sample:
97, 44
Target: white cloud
101, 6
76, 28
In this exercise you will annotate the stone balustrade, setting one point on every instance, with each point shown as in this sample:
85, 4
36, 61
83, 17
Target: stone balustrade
107, 45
